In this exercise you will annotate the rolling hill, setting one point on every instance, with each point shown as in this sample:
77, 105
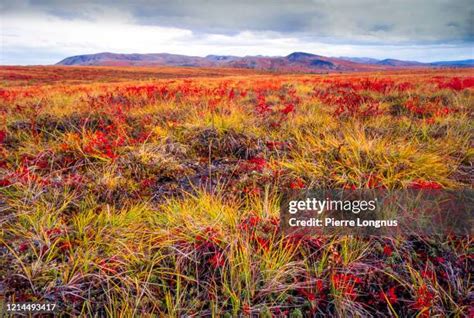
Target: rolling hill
294, 62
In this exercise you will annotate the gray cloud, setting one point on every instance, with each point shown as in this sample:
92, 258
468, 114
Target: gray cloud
365, 21
34, 31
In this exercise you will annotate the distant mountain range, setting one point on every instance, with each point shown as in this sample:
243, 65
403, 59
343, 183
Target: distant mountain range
394, 62
295, 62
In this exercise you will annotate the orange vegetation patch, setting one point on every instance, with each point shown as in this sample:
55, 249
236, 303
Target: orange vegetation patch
44, 75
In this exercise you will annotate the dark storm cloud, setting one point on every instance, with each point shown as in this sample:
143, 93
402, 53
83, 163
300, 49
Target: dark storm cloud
231, 17
366, 21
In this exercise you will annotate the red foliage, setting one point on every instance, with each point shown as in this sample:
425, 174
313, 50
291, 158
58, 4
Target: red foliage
374, 182
246, 309
250, 223
288, 109
254, 164
65, 246
297, 183
387, 251
262, 242
457, 84
389, 295
209, 239
262, 107
217, 260
53, 232
23, 247
424, 299
346, 284
425, 185
5, 182
348, 102
147, 183
3, 136
110, 265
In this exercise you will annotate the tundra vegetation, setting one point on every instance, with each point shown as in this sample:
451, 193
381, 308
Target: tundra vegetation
137, 192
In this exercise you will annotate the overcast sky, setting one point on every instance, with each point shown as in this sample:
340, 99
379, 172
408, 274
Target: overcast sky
46, 31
